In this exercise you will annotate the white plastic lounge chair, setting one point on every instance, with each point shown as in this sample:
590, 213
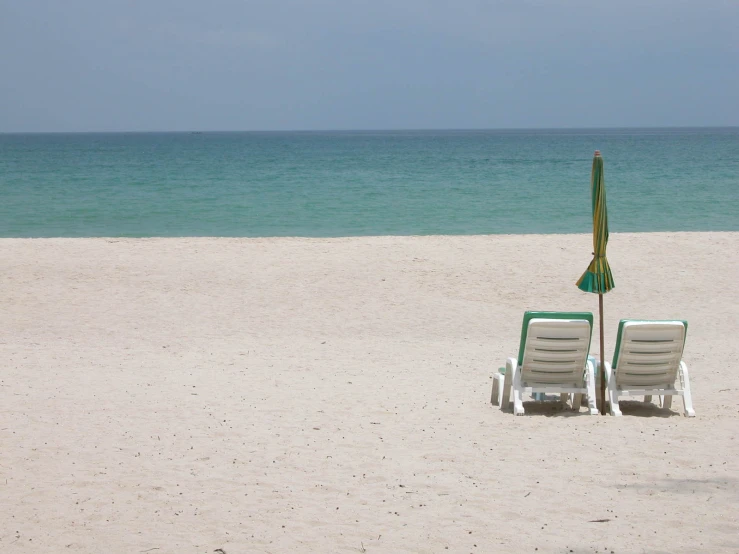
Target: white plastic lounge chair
552, 358
648, 361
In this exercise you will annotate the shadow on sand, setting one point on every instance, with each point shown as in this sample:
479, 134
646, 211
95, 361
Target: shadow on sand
552, 406
648, 409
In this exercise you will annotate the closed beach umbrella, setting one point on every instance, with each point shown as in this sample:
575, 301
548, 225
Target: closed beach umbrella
598, 278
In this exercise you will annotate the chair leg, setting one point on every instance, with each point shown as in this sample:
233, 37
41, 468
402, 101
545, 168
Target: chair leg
510, 367
615, 408
613, 391
576, 401
667, 402
495, 396
564, 397
687, 396
648, 398
517, 392
590, 386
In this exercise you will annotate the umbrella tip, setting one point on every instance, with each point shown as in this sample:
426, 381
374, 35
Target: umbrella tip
597, 153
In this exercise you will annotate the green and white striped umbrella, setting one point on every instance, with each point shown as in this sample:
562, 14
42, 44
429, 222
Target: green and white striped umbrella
598, 278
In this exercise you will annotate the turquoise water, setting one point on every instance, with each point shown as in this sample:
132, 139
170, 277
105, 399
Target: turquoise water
364, 183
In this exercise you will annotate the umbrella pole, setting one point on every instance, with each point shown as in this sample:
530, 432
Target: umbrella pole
602, 368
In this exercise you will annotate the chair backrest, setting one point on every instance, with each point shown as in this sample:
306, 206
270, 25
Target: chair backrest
529, 315
554, 349
648, 353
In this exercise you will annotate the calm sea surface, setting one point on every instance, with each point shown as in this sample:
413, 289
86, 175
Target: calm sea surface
321, 184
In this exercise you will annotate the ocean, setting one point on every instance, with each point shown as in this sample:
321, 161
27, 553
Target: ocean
327, 184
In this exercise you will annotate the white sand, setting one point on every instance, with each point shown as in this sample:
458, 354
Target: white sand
300, 395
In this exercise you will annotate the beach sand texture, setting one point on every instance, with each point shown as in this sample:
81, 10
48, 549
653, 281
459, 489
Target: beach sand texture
333, 395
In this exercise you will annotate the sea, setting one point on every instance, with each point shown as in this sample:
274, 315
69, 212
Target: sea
364, 183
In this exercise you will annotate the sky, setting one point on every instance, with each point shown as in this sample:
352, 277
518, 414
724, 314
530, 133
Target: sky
241, 65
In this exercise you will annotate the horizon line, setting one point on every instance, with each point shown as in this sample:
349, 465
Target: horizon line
397, 130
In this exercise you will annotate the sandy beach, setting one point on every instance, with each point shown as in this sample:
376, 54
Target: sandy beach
200, 395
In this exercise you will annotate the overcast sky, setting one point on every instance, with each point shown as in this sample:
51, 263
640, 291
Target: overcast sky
110, 65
